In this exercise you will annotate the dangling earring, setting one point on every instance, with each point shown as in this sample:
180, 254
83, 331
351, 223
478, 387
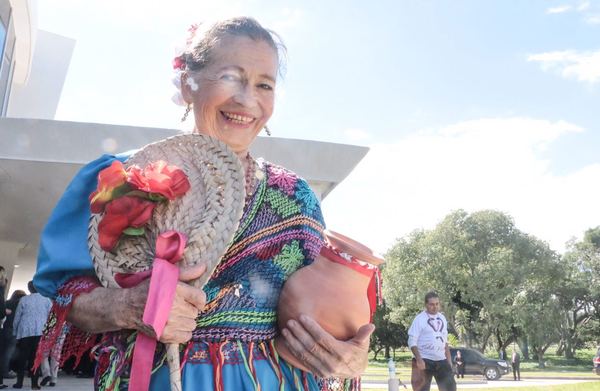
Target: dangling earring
187, 111
267, 130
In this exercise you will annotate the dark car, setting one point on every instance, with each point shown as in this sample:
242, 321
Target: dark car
477, 364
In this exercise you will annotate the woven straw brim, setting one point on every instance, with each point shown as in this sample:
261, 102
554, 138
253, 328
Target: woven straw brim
209, 213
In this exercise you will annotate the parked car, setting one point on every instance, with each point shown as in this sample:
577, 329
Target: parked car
477, 364
596, 361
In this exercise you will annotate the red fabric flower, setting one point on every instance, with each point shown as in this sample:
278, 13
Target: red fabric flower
178, 63
108, 180
161, 178
120, 214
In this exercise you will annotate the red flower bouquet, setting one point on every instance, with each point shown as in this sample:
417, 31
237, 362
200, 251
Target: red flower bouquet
160, 178
127, 197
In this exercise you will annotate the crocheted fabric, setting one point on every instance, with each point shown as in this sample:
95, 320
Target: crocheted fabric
76, 342
280, 231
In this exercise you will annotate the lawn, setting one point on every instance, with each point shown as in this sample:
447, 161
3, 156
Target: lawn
587, 386
556, 366
591, 386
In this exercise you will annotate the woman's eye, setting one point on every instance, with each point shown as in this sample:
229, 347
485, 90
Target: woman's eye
266, 86
230, 77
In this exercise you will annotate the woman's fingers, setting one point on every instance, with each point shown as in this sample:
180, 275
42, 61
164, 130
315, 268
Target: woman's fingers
175, 336
322, 353
316, 347
189, 273
193, 296
182, 308
320, 336
302, 354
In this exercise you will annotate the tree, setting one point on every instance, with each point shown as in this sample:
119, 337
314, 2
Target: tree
478, 262
388, 335
538, 310
580, 292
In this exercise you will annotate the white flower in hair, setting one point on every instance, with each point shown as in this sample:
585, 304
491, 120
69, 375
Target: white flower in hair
192, 83
176, 80
177, 98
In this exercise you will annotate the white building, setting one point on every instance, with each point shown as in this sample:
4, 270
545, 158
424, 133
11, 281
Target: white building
39, 156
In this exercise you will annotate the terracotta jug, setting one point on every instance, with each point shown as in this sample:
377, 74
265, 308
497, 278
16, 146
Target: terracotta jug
332, 290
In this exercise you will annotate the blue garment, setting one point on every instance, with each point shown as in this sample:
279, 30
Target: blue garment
236, 377
64, 237
31, 316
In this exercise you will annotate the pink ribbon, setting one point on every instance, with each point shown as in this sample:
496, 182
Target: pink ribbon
161, 293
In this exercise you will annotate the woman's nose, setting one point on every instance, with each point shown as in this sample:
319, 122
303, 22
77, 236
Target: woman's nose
245, 96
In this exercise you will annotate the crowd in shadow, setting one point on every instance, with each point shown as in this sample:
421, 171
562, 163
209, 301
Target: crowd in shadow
23, 317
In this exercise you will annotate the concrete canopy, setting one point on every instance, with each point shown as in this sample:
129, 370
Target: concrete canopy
38, 158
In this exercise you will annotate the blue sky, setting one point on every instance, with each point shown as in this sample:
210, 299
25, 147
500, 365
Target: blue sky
465, 104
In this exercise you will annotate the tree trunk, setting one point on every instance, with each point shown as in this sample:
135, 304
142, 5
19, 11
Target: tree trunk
524, 346
376, 352
501, 352
539, 352
569, 350
484, 341
561, 348
470, 338
541, 363
387, 352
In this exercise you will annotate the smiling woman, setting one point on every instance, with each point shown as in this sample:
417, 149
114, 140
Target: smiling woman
233, 96
228, 78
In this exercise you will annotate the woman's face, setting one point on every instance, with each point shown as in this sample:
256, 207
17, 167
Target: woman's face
235, 92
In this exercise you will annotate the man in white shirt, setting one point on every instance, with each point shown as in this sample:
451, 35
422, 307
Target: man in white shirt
428, 340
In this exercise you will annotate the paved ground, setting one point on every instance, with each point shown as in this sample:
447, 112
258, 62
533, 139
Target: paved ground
69, 383
65, 383
492, 385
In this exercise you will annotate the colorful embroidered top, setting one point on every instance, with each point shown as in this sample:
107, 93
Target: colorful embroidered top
280, 231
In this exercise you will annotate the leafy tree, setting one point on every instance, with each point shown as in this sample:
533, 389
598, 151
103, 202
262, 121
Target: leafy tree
388, 335
478, 263
580, 293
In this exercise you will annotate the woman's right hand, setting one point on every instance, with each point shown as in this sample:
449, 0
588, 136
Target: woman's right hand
187, 304
112, 309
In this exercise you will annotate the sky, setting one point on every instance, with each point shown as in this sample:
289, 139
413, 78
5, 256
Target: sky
464, 104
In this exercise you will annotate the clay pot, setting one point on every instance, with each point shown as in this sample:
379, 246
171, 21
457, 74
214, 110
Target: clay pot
332, 290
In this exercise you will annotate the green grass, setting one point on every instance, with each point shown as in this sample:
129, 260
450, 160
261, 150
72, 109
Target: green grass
556, 366
588, 386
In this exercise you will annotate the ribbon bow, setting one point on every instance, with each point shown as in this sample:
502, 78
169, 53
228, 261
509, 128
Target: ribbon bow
163, 281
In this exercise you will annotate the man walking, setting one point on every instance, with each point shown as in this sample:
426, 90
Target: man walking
28, 326
516, 365
428, 340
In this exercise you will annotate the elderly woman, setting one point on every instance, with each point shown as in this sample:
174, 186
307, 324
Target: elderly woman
228, 80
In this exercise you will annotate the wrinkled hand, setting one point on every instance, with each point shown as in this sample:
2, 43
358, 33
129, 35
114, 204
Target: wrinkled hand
324, 355
188, 302
420, 364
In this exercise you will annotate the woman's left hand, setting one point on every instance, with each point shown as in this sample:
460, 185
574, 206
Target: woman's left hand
324, 355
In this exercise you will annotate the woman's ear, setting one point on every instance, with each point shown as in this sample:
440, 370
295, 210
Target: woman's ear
185, 88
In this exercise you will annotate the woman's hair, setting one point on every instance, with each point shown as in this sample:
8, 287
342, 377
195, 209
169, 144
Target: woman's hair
198, 53
17, 294
3, 278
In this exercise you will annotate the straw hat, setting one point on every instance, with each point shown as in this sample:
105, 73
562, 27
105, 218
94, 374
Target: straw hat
208, 214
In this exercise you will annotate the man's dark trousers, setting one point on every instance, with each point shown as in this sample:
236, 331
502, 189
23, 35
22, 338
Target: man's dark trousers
440, 370
516, 367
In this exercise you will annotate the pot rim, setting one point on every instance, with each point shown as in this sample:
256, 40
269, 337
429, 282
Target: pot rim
348, 245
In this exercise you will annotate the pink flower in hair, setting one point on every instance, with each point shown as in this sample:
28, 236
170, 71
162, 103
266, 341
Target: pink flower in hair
179, 63
191, 32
